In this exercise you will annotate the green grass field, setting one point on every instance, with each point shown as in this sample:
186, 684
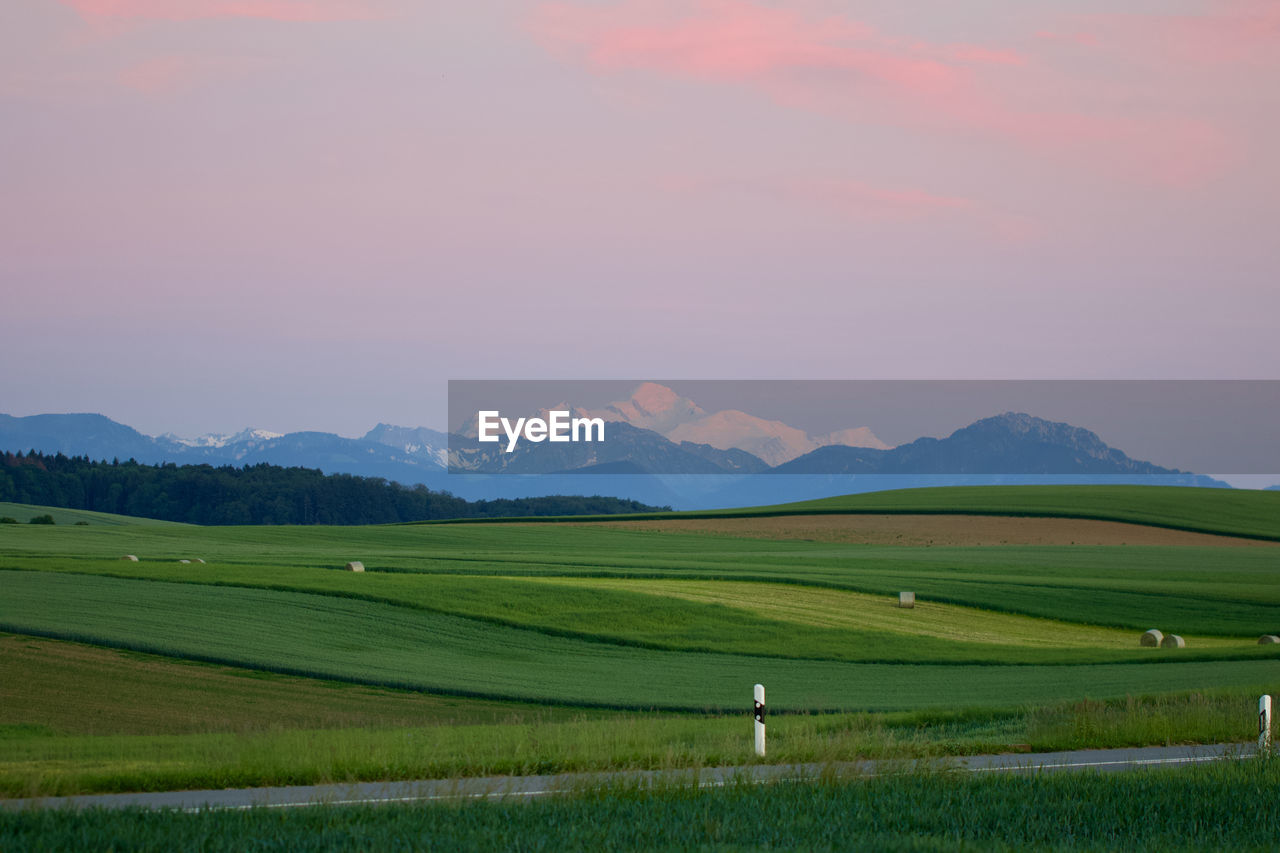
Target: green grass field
585, 621
53, 688
76, 718
1239, 513
25, 512
373, 643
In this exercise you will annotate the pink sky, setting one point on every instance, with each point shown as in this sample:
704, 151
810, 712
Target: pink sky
309, 214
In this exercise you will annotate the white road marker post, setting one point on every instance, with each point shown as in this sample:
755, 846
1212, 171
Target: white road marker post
1264, 722
760, 720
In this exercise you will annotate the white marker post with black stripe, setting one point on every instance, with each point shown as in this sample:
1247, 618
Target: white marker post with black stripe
1264, 722
760, 720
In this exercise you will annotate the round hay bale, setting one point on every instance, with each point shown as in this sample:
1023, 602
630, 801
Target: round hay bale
906, 599
1268, 639
355, 566
1173, 641
1152, 639
130, 557
185, 561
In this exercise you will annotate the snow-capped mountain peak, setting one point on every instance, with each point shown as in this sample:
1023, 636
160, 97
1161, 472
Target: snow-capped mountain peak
654, 399
216, 439
772, 441
656, 407
659, 408
651, 406
856, 437
420, 443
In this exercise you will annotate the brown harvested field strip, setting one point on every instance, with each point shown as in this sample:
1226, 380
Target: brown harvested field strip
73, 688
917, 530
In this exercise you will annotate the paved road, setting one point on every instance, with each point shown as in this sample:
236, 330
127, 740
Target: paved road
525, 787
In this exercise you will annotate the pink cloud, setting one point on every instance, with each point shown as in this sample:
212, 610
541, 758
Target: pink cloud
863, 202
739, 40
828, 62
187, 10
1228, 31
801, 57
857, 197
982, 55
1081, 38
860, 200
165, 75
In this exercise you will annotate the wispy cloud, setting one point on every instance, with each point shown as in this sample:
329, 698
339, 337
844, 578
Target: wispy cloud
166, 75
734, 39
860, 199
1225, 32
868, 203
114, 45
804, 56
188, 10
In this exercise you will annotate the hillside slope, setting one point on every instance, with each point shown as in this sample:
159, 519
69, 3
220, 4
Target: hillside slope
1231, 512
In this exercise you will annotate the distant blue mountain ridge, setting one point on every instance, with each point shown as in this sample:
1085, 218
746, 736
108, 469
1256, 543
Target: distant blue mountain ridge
694, 476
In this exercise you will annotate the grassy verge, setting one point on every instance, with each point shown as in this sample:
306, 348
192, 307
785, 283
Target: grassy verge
1228, 805
35, 763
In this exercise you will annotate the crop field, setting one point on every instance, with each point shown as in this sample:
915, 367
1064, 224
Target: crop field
1218, 511
23, 513
74, 688
632, 642
915, 529
1228, 806
76, 718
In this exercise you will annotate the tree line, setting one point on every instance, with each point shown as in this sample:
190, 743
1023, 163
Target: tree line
258, 494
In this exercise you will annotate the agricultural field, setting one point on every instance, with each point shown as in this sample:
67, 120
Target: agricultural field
1228, 806
23, 513
1225, 511
560, 645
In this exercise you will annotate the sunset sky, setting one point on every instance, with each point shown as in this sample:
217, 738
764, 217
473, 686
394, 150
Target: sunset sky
309, 214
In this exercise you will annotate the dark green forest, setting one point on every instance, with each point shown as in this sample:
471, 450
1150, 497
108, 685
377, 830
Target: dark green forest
257, 494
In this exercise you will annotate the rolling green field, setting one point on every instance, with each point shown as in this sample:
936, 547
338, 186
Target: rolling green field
368, 642
76, 718
1237, 513
601, 620
25, 512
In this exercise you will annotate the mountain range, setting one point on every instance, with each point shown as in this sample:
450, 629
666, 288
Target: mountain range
659, 409
655, 439
407, 455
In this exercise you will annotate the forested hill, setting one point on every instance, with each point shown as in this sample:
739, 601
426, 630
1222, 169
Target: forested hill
257, 494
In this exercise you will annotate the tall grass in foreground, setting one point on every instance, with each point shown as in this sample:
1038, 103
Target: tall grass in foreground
1223, 806
36, 763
